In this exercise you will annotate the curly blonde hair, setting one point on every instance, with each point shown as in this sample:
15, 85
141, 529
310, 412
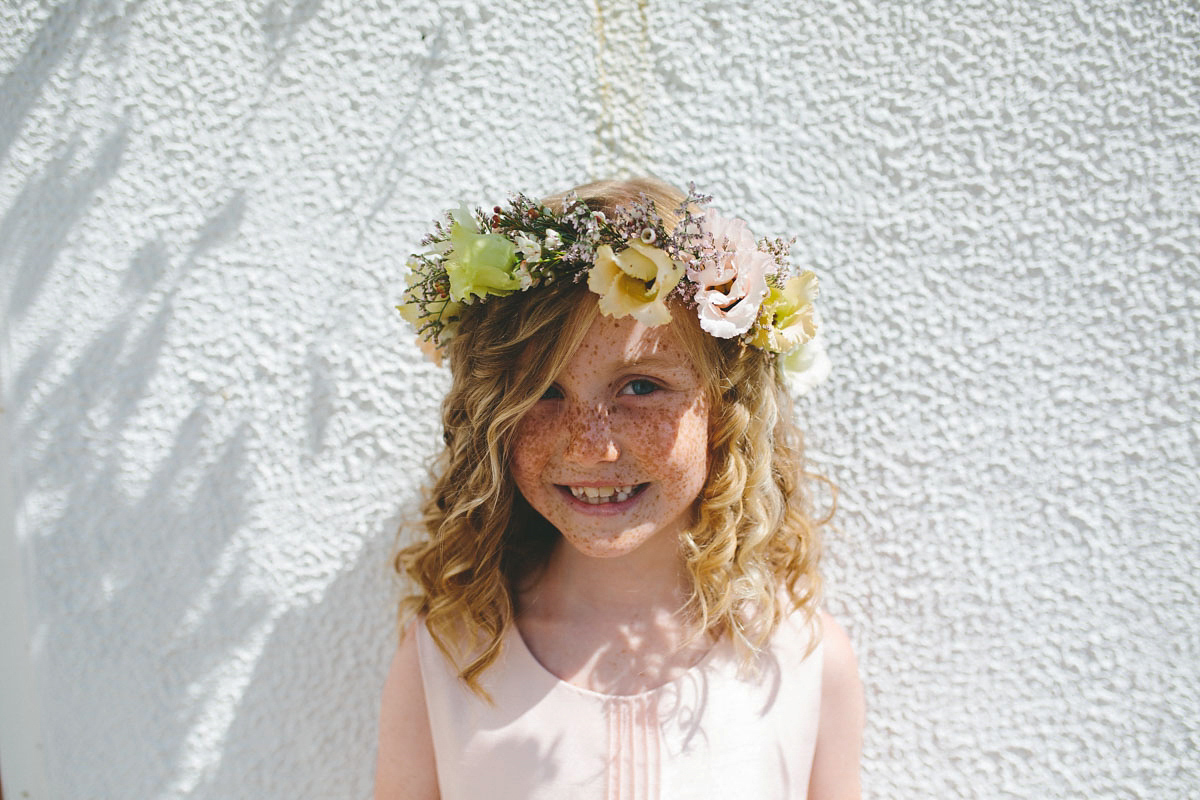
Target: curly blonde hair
753, 548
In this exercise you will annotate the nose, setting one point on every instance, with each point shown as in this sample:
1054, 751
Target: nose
589, 435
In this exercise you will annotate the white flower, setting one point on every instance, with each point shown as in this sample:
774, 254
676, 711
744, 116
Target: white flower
529, 248
553, 240
523, 276
805, 366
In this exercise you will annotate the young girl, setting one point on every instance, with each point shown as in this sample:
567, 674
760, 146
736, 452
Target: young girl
617, 595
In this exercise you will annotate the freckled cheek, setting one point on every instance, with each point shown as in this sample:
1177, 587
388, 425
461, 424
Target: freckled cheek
691, 451
676, 442
531, 446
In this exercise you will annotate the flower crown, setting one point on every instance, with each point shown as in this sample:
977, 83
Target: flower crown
738, 287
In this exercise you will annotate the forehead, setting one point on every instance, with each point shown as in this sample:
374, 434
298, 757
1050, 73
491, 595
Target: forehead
611, 343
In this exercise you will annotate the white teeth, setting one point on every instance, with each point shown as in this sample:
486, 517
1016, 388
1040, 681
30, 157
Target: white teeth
596, 495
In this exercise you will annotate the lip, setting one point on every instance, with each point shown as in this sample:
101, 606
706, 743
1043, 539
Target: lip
602, 509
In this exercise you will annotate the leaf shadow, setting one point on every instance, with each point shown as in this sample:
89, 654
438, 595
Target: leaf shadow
138, 599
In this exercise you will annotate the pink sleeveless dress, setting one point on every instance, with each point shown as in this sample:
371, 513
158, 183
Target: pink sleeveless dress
716, 731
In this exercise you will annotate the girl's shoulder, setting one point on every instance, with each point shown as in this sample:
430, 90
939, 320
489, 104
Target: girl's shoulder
820, 635
405, 762
842, 718
404, 672
813, 641
840, 664
804, 625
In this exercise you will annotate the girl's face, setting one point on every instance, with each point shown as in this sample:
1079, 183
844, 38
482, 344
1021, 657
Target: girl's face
616, 451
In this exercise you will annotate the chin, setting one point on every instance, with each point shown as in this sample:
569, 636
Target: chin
601, 546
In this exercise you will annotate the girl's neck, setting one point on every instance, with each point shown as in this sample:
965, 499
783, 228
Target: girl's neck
611, 625
645, 583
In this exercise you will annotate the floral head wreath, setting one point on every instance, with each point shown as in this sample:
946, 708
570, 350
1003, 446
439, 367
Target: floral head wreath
738, 287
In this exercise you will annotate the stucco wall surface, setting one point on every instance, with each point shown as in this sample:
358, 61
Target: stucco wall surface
213, 421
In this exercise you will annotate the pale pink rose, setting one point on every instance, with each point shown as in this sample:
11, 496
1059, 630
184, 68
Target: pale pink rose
731, 288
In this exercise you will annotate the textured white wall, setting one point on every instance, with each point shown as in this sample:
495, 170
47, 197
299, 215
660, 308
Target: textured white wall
213, 421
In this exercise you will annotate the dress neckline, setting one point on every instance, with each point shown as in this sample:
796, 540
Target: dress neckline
519, 645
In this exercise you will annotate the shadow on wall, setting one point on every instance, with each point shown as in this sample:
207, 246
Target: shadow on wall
160, 667
108, 23
309, 686
22, 87
149, 633
118, 580
45, 211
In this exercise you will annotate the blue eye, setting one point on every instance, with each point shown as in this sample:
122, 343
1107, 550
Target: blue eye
640, 386
552, 393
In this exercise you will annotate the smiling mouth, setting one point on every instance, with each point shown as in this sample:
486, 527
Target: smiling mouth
602, 495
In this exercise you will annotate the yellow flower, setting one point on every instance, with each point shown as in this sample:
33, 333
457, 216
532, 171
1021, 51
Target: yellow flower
411, 313
430, 349
479, 264
445, 311
787, 319
437, 311
635, 282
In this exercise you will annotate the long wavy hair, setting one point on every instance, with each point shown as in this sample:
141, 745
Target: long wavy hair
752, 550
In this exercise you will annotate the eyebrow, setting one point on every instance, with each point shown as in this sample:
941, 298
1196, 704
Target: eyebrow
652, 360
